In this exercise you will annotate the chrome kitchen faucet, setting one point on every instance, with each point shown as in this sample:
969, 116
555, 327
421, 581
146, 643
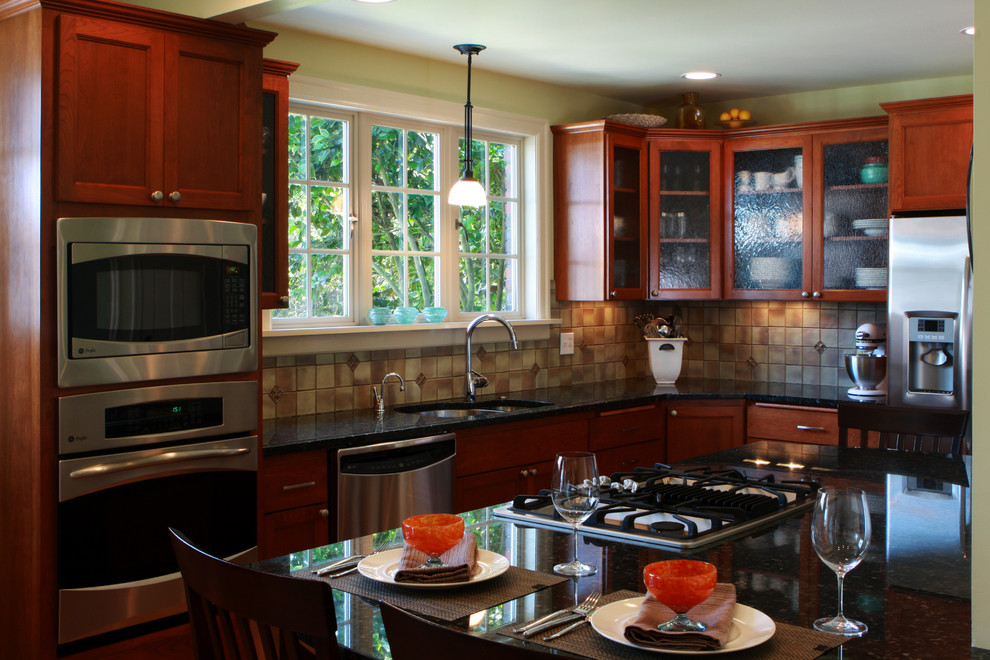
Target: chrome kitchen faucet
380, 398
473, 379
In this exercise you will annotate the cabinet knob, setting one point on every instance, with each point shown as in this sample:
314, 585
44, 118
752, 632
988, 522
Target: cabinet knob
324, 513
611, 294
655, 292
284, 300
175, 196
816, 294
804, 294
157, 196
673, 413
523, 473
534, 472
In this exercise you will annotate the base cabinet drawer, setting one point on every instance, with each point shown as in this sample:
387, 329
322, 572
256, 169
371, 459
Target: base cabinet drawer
294, 530
771, 421
624, 459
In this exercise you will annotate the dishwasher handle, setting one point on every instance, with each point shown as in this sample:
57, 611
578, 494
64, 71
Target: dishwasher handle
396, 457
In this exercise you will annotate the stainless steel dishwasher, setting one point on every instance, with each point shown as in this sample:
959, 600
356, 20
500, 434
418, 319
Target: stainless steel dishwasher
378, 486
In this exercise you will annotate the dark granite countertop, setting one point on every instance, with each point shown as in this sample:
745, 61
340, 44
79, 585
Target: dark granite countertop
912, 589
363, 427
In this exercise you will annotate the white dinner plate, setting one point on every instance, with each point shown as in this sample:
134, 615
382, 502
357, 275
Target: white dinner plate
750, 627
383, 566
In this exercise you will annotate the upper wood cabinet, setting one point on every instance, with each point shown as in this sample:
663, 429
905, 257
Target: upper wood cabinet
274, 235
930, 145
685, 220
156, 118
802, 220
600, 211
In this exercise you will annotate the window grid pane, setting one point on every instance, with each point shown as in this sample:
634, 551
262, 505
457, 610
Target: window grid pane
319, 229
404, 212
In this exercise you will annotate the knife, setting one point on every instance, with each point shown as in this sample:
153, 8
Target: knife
571, 616
346, 562
573, 626
542, 619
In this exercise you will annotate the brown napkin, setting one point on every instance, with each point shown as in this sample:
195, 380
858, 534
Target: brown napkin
459, 564
715, 612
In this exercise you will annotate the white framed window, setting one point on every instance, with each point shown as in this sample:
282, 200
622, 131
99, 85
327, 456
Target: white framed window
370, 224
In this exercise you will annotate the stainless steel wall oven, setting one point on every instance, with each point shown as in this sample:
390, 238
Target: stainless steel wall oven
132, 463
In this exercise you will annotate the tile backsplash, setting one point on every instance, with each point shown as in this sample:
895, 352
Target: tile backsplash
775, 341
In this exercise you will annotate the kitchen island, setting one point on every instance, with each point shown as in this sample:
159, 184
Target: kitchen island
912, 589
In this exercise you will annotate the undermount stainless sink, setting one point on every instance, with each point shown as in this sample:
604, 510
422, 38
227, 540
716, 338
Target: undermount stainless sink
470, 408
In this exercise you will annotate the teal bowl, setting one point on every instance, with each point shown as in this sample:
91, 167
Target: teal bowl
435, 314
873, 173
379, 315
405, 315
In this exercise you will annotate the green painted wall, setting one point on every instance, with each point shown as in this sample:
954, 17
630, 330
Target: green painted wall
347, 62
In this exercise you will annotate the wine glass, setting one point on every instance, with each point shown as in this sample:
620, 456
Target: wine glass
840, 533
433, 534
680, 584
575, 495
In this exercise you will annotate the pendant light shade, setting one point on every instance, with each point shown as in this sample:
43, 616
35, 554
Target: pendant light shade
468, 191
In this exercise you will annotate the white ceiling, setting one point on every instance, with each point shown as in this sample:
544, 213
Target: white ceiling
636, 50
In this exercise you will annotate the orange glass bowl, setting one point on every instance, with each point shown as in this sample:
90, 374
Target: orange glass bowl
680, 584
433, 533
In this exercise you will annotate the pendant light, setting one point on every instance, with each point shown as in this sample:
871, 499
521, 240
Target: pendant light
468, 191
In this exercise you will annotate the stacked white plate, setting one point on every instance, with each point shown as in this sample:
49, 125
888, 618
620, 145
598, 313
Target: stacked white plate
871, 278
871, 226
771, 272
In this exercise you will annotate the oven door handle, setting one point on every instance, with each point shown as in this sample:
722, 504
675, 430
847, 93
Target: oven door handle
157, 459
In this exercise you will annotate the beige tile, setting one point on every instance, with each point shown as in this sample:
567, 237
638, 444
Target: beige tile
306, 402
306, 378
324, 376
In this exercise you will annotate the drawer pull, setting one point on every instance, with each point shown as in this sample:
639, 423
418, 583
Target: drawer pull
817, 429
306, 484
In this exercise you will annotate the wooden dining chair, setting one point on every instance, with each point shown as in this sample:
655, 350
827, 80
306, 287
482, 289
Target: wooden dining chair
411, 637
236, 612
929, 430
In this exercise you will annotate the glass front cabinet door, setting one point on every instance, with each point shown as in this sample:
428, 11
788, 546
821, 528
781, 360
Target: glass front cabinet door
685, 219
768, 246
851, 214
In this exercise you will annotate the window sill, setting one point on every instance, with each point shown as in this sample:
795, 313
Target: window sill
301, 341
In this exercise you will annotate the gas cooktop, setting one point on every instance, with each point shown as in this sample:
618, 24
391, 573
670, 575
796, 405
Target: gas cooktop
678, 509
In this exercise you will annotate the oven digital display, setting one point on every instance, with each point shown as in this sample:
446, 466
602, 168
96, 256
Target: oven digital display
163, 417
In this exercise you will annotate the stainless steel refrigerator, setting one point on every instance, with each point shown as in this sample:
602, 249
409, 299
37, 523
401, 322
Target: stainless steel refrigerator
930, 312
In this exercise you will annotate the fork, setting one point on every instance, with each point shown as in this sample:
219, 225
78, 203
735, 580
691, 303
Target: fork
586, 610
560, 616
350, 562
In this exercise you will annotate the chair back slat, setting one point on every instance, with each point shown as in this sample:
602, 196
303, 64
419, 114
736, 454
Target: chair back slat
929, 430
413, 638
239, 613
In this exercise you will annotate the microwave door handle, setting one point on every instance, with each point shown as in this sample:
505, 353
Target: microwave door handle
158, 459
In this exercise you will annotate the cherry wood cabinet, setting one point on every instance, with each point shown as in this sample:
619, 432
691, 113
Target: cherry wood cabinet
702, 426
496, 463
155, 118
794, 226
930, 145
293, 503
685, 248
600, 211
273, 233
627, 437
792, 423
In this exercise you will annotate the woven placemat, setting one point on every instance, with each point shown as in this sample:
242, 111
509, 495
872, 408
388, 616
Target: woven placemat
445, 604
788, 642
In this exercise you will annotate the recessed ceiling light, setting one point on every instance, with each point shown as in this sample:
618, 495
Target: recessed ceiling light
971, 30
700, 75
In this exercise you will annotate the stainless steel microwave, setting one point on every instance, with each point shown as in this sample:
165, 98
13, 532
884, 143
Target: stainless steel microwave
143, 299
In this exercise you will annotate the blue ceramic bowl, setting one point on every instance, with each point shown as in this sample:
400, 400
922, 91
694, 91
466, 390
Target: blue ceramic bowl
405, 315
435, 314
379, 315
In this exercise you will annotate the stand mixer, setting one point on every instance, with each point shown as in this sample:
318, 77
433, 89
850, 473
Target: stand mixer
867, 367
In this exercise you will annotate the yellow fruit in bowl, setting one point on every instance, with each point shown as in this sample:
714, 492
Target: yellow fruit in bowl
734, 113
744, 115
725, 116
